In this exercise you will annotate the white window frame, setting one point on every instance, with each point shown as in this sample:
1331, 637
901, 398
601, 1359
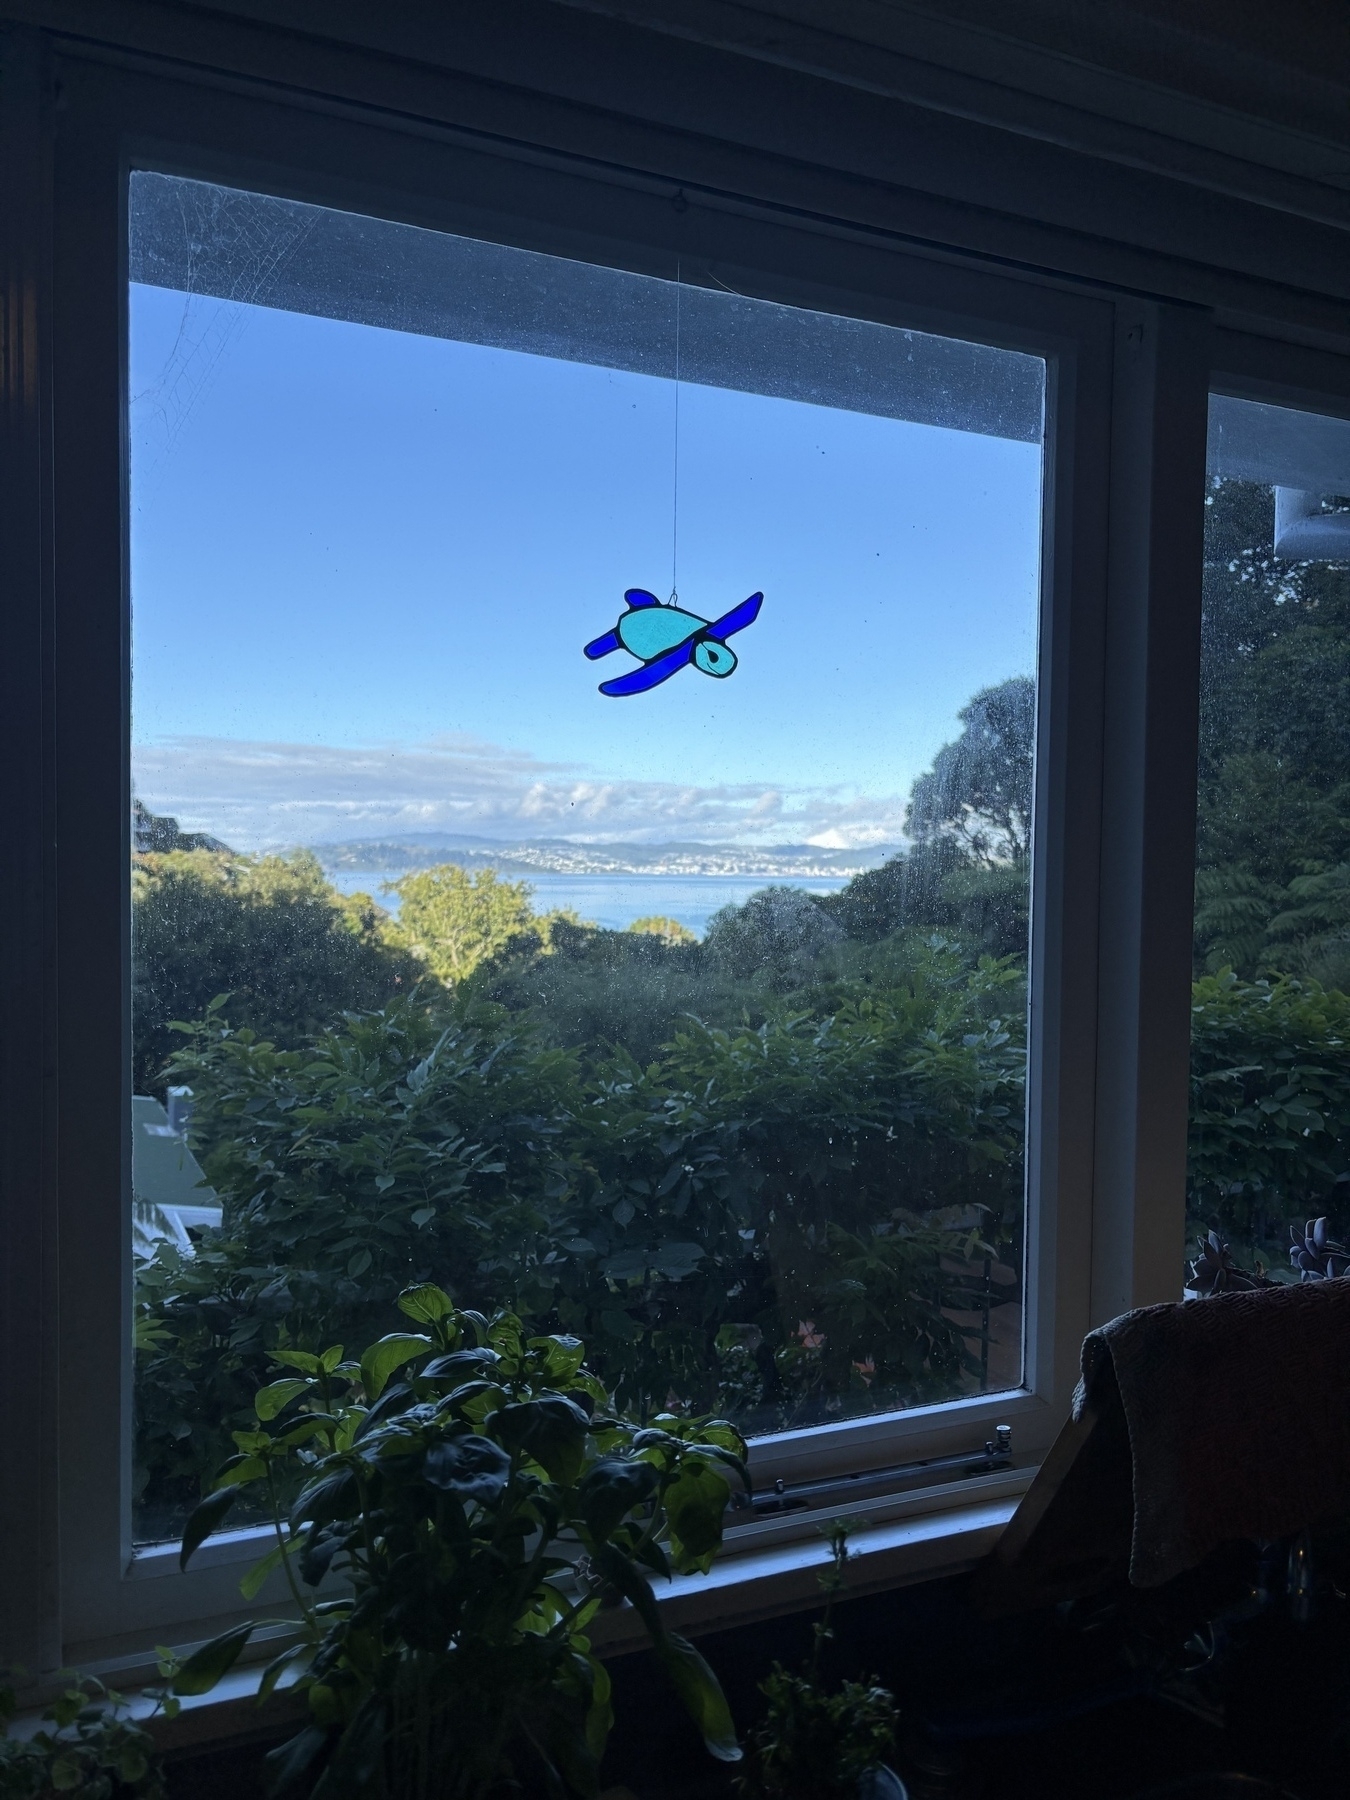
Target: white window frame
1112, 856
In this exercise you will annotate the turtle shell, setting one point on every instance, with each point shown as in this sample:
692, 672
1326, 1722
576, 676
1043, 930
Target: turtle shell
650, 631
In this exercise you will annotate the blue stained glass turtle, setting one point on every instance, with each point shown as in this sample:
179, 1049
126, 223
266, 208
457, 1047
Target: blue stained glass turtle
666, 639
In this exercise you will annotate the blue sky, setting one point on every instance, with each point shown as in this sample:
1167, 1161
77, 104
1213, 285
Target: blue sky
364, 564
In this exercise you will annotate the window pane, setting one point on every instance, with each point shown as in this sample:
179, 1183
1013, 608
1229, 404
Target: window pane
1270, 1108
520, 900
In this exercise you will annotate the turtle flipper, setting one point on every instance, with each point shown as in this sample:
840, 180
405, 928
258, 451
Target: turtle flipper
651, 674
602, 646
736, 620
640, 597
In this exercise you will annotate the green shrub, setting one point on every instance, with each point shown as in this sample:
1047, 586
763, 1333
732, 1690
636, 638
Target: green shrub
779, 1217
476, 1497
1270, 1107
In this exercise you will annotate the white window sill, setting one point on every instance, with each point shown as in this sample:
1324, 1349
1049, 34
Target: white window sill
765, 1572
770, 1567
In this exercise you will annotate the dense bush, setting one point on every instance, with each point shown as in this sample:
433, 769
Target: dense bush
937, 887
777, 1220
1273, 894
1270, 1108
596, 991
778, 935
1270, 1078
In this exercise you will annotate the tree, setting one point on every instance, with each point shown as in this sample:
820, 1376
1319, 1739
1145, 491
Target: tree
669, 930
157, 831
980, 787
1273, 825
454, 921
780, 931
970, 819
289, 951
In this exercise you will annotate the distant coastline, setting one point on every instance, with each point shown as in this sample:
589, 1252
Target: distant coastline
615, 901
557, 856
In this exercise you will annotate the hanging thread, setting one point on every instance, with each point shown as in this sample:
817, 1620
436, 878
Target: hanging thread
675, 484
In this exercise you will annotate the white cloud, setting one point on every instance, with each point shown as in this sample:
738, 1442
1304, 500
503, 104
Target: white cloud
253, 794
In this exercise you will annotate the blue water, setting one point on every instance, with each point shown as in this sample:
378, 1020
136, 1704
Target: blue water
616, 900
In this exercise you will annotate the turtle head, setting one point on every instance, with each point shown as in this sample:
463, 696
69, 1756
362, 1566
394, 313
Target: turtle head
714, 658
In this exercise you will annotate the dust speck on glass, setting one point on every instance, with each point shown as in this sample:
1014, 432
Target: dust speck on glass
696, 1026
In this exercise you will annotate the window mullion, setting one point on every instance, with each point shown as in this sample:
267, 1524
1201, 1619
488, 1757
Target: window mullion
1148, 835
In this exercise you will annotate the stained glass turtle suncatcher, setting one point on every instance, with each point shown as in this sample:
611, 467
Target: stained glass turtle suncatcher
666, 639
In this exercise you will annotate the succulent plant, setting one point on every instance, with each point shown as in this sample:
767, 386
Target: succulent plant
1315, 1254
1216, 1271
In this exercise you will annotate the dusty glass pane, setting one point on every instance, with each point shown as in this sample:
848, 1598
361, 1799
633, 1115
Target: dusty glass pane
1270, 1061
654, 965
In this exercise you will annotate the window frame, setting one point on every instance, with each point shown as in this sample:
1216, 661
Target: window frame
1094, 1240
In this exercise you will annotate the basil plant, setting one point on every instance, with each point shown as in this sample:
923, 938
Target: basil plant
464, 1503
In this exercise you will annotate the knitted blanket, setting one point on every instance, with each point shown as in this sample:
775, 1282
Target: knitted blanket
1238, 1410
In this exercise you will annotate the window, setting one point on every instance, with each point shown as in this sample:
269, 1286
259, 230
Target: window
1270, 1110
349, 473
583, 755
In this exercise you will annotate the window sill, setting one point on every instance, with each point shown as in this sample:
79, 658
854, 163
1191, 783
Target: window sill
769, 1568
764, 1571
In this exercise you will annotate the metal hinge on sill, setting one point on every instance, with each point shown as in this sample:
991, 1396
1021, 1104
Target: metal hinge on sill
796, 1496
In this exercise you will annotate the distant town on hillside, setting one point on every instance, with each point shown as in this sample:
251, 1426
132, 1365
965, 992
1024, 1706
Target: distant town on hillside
560, 857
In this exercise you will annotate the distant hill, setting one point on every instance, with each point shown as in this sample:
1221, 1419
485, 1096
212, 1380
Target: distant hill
558, 856
157, 831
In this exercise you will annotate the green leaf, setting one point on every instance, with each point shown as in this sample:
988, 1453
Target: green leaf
269, 1401
728, 1460
696, 1504
251, 1584
563, 1356
612, 1489
132, 1764
289, 1761
307, 1427
721, 1432
381, 1360
330, 1359
324, 1499
702, 1695
204, 1519
620, 1572
426, 1303
469, 1466
242, 1469
552, 1430
689, 1674
278, 1666
458, 1365
600, 1715
204, 1668
297, 1359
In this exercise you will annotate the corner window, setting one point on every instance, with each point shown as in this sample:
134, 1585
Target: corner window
583, 736
1269, 1190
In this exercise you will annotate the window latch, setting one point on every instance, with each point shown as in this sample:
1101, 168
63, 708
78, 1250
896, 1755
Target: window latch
797, 1496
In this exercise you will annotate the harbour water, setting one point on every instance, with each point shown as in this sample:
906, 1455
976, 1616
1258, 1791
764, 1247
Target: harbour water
614, 901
